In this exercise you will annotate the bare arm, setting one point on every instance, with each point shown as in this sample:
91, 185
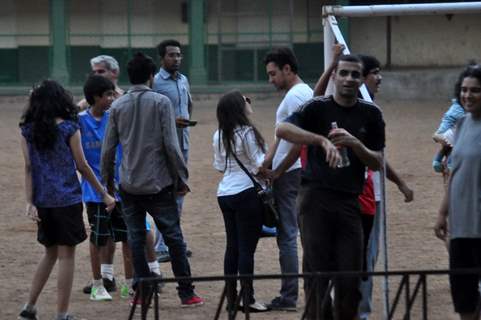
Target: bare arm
30, 211
84, 168
288, 160
441, 227
322, 83
392, 175
83, 104
270, 154
296, 135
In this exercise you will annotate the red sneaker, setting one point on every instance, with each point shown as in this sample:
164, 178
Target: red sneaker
193, 301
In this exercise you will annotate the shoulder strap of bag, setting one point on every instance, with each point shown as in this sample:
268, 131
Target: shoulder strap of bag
256, 184
136, 101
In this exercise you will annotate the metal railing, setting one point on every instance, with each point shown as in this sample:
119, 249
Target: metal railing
411, 293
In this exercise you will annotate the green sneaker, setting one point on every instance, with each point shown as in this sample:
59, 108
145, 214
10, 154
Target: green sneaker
100, 294
124, 291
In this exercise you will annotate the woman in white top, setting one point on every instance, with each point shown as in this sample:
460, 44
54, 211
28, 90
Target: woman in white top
241, 208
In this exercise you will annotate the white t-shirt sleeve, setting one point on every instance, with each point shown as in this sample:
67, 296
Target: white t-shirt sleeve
254, 153
219, 159
294, 99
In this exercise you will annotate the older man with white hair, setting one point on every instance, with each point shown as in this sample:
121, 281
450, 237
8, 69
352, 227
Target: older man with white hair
108, 67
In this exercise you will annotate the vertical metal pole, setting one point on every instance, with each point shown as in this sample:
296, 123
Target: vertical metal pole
129, 28
197, 72
58, 34
219, 40
425, 297
269, 15
384, 235
388, 41
308, 23
328, 43
256, 65
156, 300
407, 316
291, 24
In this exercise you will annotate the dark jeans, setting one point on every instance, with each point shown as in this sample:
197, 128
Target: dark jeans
243, 224
163, 209
331, 234
465, 253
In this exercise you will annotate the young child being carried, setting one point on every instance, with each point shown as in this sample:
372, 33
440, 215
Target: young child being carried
445, 134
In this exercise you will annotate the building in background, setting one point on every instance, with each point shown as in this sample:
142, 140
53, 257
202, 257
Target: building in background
223, 41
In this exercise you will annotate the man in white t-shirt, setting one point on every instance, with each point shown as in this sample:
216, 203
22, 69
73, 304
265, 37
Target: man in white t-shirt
283, 158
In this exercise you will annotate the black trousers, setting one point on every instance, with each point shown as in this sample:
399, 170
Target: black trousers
332, 239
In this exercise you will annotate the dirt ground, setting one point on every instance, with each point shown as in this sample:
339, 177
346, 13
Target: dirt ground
412, 244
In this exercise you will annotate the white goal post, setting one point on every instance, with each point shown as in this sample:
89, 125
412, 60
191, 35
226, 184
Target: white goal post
332, 34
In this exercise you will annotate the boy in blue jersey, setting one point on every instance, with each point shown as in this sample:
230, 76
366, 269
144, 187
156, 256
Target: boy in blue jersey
99, 93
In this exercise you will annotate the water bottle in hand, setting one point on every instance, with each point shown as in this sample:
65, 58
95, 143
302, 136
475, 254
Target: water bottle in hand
342, 150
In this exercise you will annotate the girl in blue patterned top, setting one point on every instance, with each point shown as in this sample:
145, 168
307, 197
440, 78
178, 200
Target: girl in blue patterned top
52, 151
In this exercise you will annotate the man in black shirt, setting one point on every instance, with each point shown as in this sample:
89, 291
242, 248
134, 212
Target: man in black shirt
330, 221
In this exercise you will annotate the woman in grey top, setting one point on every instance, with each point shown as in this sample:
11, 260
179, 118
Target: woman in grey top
461, 206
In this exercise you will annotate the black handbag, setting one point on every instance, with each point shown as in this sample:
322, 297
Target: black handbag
266, 196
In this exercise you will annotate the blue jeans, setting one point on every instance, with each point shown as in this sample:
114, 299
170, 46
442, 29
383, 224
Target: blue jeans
285, 193
163, 209
242, 214
159, 245
365, 306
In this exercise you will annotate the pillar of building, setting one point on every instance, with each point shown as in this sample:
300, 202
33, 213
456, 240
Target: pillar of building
58, 32
197, 70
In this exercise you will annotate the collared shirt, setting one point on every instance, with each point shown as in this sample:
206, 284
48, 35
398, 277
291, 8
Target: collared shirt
178, 91
143, 122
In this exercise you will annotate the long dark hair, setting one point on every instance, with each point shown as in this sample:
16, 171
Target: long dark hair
48, 100
457, 86
230, 115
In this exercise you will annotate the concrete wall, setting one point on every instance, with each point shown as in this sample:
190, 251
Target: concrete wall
416, 40
419, 84
420, 41
101, 26
23, 23
249, 18
151, 21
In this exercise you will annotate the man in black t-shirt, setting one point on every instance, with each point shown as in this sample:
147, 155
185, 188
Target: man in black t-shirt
330, 221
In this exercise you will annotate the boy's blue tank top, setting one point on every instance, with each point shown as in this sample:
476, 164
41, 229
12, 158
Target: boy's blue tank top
92, 131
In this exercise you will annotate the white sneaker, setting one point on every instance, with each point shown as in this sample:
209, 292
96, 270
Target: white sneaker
255, 307
100, 294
